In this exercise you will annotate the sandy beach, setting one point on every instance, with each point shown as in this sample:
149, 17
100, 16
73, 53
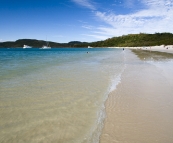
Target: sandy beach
161, 48
140, 109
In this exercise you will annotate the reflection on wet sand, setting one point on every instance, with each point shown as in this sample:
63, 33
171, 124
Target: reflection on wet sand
152, 55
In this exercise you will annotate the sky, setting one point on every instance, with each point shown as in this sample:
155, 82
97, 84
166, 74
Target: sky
63, 21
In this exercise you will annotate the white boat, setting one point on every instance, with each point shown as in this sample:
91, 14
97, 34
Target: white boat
90, 47
47, 46
26, 46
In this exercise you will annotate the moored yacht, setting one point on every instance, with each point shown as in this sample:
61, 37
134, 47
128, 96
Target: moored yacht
26, 46
47, 46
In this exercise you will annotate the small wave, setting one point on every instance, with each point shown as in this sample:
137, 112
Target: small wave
96, 133
95, 136
115, 79
114, 83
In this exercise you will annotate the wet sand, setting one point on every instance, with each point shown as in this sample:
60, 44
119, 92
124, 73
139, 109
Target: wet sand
140, 110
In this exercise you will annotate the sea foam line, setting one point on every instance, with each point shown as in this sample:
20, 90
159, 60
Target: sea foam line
114, 83
95, 136
97, 131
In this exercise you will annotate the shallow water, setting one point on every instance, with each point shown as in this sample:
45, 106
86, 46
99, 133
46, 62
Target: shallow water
56, 95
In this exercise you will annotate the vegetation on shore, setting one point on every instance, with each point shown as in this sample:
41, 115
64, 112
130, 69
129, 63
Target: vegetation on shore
131, 40
36, 43
135, 40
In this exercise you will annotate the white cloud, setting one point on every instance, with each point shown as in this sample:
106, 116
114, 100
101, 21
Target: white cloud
1, 40
157, 17
87, 27
99, 37
85, 3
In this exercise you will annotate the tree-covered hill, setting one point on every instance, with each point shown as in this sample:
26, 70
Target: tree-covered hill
131, 40
36, 43
30, 42
134, 40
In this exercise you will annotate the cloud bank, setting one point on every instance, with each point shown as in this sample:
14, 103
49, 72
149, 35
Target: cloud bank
156, 16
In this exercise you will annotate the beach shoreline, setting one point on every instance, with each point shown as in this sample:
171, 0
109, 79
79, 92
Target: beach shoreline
139, 110
161, 48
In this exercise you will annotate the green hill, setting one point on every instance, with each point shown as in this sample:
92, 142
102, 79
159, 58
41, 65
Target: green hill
36, 43
134, 40
30, 42
131, 40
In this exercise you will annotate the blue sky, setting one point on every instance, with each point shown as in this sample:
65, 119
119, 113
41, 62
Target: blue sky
82, 20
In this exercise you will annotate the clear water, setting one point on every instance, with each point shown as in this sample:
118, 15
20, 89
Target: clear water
56, 95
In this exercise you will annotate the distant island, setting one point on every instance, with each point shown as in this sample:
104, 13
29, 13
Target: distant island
130, 40
36, 43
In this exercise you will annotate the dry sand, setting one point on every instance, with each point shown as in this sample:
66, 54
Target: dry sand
162, 48
140, 110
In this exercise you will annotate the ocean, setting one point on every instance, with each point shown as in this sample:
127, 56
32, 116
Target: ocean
56, 95
78, 95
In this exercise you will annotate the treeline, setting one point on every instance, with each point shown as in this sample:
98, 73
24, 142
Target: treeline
37, 43
134, 40
131, 40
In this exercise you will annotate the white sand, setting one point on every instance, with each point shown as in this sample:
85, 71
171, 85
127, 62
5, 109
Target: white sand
162, 48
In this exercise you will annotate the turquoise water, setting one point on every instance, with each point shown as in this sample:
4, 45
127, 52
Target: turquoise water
56, 95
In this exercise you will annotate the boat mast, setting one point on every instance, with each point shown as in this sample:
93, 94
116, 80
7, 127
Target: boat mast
47, 43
